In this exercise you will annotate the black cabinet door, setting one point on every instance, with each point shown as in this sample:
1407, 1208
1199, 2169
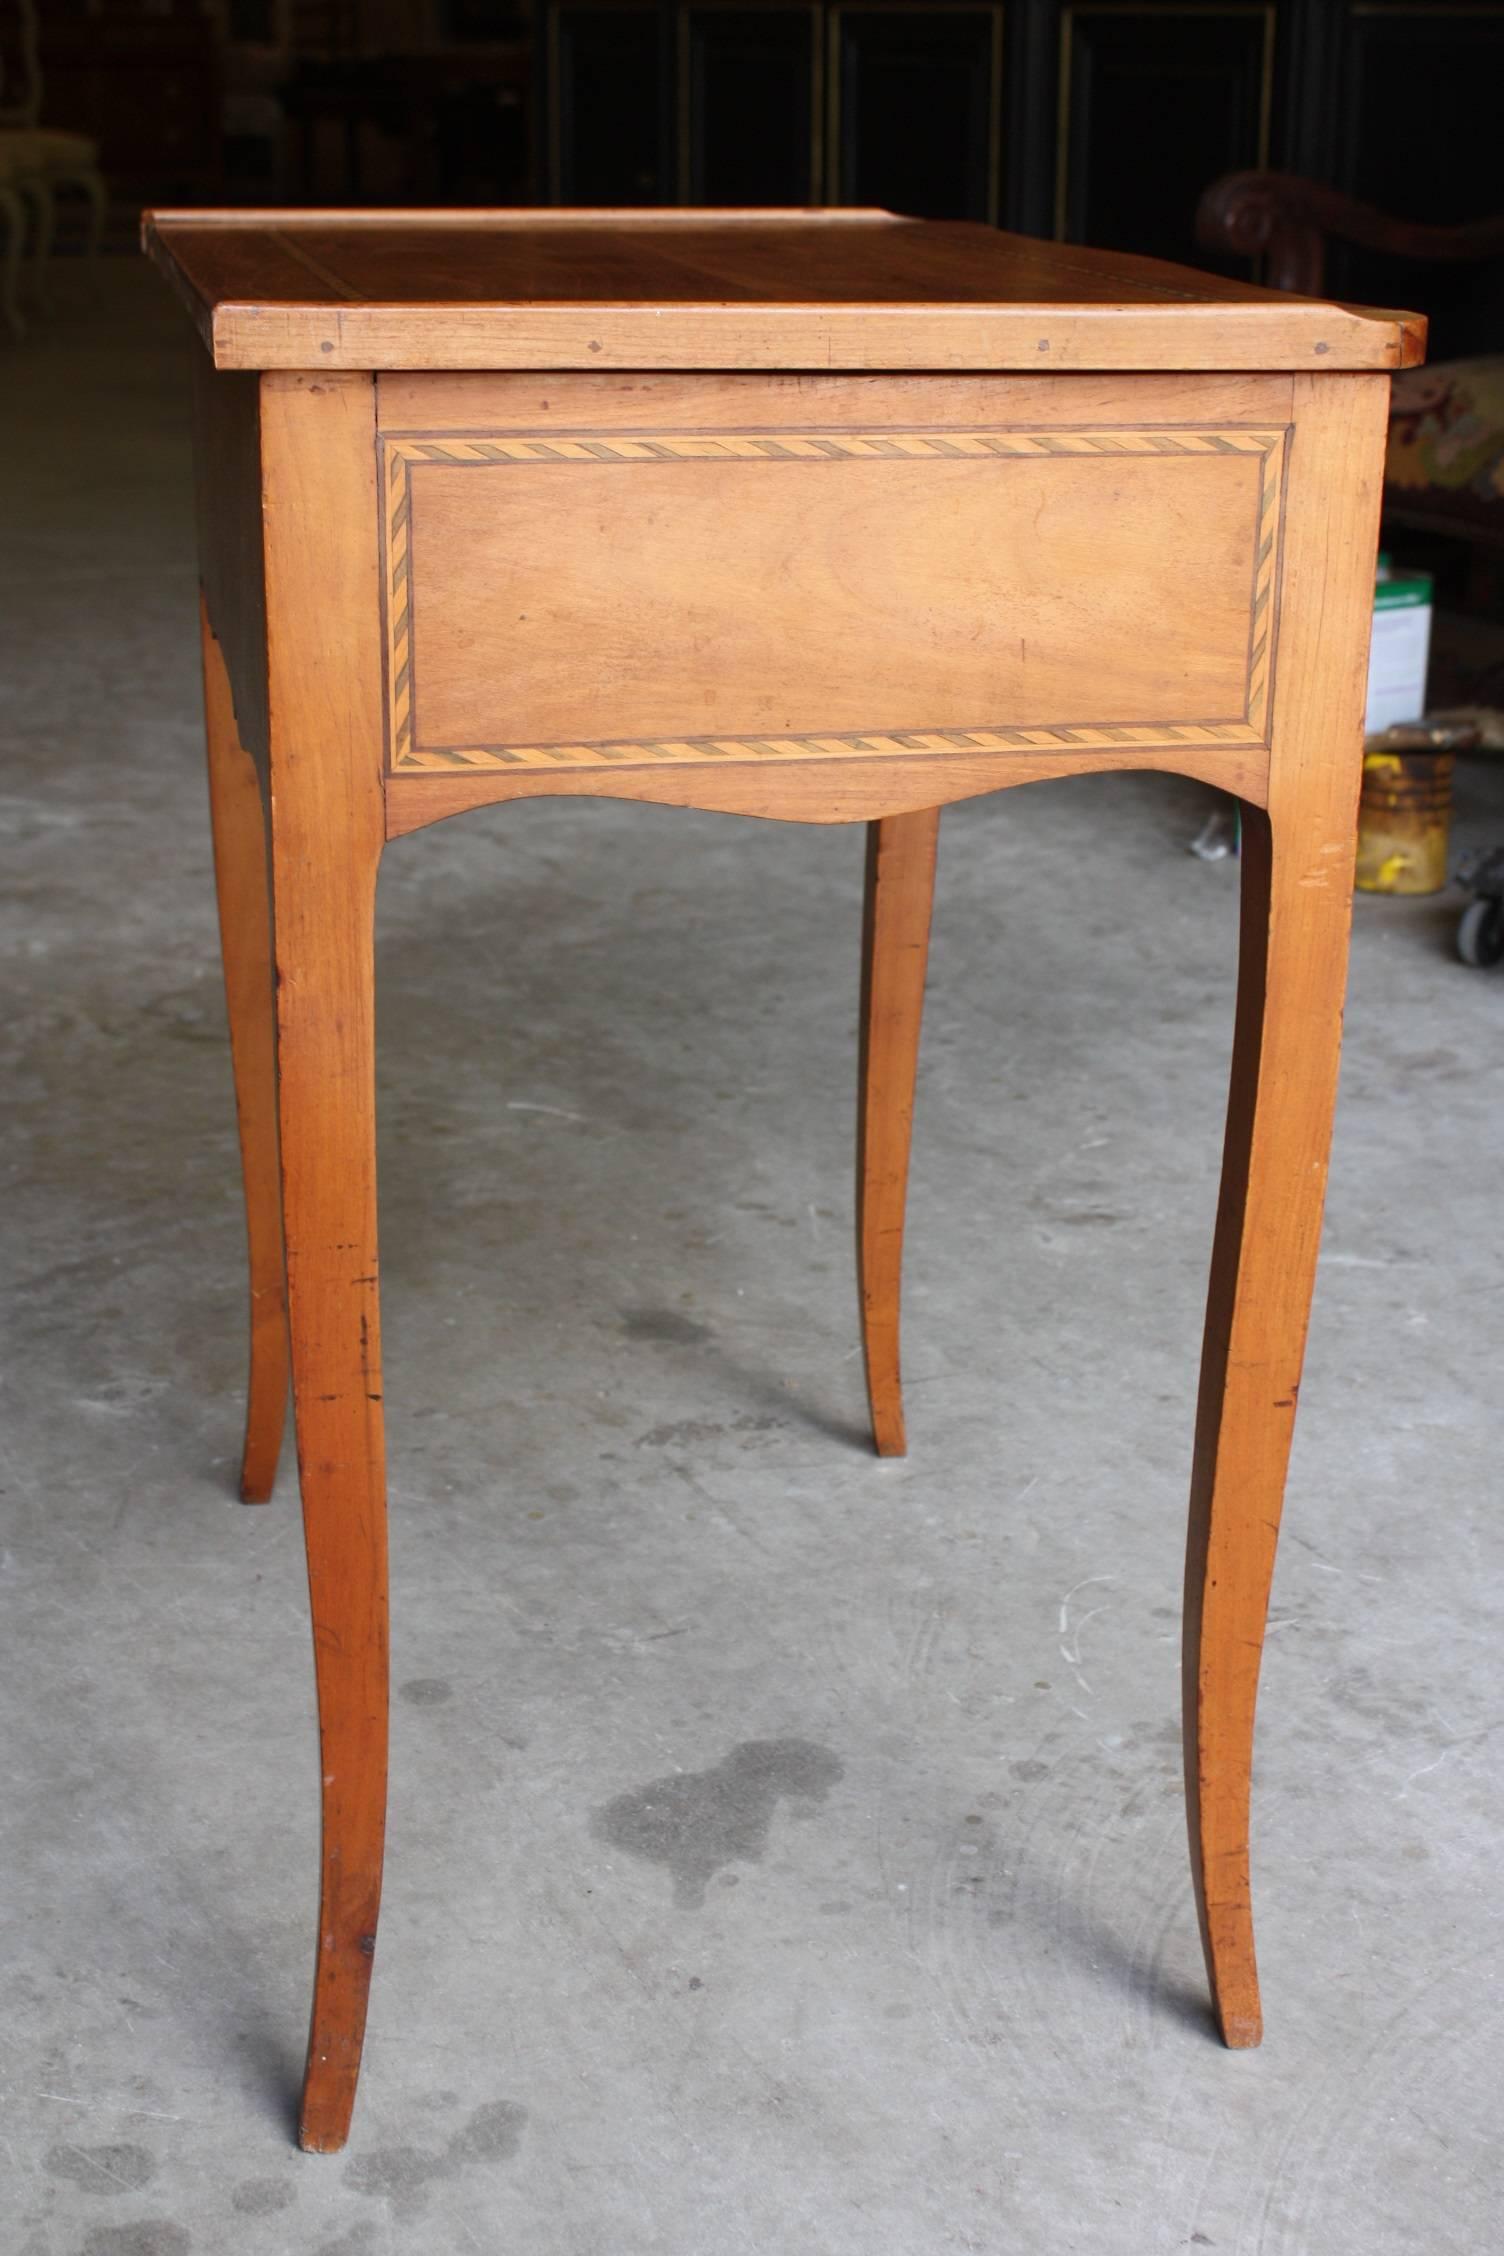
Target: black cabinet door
748, 119
1156, 102
914, 109
1419, 101
609, 135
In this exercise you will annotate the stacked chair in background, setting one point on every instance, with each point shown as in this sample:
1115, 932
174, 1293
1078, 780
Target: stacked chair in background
39, 168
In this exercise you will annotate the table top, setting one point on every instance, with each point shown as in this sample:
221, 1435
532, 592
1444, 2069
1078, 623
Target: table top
829, 289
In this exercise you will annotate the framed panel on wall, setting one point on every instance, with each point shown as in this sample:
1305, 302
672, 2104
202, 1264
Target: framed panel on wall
1419, 103
750, 113
1155, 102
609, 117
914, 107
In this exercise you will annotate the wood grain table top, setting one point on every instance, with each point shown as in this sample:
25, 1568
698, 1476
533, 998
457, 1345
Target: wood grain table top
830, 289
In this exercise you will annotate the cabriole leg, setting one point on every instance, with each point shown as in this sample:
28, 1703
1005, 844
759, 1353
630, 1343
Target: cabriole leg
895, 949
242, 877
1297, 876
327, 828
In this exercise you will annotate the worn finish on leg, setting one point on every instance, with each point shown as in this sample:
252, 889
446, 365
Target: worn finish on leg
1297, 892
326, 831
895, 949
242, 877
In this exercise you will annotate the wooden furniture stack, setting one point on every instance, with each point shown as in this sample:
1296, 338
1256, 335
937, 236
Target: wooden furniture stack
829, 518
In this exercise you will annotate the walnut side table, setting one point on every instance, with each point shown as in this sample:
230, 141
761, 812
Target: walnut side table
829, 517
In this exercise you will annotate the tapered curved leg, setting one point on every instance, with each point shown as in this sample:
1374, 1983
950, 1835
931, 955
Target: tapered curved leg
1297, 895
242, 878
325, 1040
895, 949
318, 471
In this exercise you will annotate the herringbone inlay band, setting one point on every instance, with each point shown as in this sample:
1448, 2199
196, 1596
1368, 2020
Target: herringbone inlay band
402, 452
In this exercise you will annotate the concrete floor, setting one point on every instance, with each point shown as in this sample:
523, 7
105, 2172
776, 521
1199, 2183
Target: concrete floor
787, 1848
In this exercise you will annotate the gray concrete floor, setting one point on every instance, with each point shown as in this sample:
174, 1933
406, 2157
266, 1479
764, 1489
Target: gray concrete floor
902, 1956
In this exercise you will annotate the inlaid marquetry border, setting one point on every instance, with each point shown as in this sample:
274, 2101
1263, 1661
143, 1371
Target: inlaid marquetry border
403, 452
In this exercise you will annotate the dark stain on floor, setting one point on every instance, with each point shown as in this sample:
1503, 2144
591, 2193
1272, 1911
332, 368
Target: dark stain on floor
698, 1821
692, 1433
664, 1325
262, 2197
101, 2169
402, 2175
356, 2240
154, 2236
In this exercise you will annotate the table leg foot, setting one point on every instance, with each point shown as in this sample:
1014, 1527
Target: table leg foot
1292, 968
895, 949
242, 881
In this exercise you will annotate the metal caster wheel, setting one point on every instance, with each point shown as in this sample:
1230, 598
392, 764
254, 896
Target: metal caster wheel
1480, 933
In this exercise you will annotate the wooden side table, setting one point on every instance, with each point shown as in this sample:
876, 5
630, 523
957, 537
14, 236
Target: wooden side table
830, 518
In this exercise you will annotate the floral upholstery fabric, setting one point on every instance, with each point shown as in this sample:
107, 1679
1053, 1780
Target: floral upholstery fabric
1446, 431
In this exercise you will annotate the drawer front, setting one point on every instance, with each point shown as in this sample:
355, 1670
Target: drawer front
608, 598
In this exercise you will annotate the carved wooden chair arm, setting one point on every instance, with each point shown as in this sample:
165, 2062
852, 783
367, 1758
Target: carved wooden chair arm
1288, 219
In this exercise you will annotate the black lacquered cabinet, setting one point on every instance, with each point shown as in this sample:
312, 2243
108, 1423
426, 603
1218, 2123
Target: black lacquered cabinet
610, 104
767, 102
915, 108
749, 126
1154, 103
1092, 120
1416, 127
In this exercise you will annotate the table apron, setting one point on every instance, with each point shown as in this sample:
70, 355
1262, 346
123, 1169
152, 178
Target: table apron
823, 598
